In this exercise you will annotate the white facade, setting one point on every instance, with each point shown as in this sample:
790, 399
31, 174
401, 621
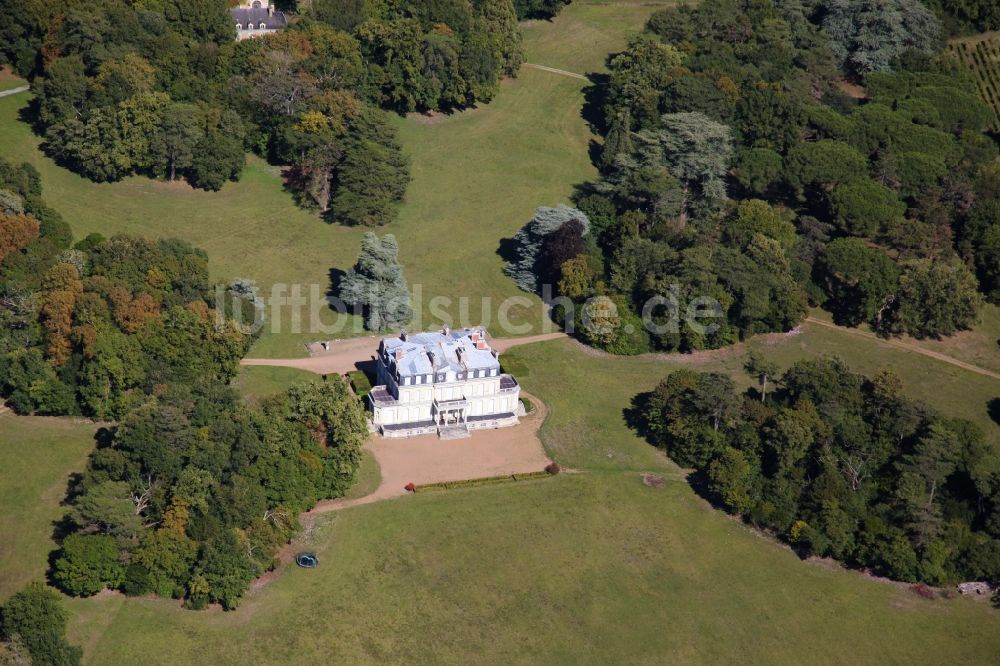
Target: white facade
449, 382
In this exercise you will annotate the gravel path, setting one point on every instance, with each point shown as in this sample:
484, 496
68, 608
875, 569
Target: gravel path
345, 355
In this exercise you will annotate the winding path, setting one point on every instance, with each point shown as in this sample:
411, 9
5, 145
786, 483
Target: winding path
553, 70
906, 346
14, 91
345, 355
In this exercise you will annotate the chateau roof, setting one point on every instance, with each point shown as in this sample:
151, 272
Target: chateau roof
439, 351
258, 15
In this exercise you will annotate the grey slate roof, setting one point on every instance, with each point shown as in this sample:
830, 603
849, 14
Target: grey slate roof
432, 352
258, 15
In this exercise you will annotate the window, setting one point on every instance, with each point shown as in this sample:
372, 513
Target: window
239, 26
261, 26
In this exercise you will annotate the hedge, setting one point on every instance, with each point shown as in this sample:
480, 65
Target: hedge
488, 480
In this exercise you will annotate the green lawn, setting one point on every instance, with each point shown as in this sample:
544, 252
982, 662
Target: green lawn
368, 479
258, 382
591, 567
500, 161
37, 455
584, 568
580, 38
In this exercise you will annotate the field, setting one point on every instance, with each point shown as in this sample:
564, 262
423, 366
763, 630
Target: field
588, 567
526, 149
981, 55
37, 456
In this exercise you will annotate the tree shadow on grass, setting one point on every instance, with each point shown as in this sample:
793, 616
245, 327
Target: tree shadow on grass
336, 276
595, 97
994, 409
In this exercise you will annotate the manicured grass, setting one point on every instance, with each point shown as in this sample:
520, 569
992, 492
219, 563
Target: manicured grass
592, 566
37, 455
589, 392
477, 177
368, 479
980, 346
581, 37
258, 382
585, 568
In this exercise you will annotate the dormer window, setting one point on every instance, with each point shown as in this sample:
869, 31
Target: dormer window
239, 26
261, 26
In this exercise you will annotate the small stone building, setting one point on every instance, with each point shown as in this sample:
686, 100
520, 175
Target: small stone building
448, 382
256, 17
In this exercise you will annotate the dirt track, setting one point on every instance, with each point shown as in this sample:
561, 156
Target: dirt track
427, 459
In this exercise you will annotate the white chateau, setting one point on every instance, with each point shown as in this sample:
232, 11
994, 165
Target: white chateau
448, 382
254, 18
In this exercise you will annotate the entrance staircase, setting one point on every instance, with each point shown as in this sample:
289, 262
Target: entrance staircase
453, 431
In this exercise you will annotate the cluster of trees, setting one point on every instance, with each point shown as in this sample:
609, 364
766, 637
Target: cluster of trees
192, 494
839, 465
33, 629
739, 167
438, 55
961, 16
164, 90
99, 327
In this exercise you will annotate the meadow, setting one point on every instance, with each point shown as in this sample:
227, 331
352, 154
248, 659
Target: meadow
37, 456
588, 567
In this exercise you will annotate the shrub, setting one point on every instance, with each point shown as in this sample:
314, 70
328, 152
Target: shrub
553, 468
37, 617
360, 382
87, 564
528, 405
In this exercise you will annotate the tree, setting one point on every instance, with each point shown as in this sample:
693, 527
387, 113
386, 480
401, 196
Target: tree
824, 164
372, 176
226, 568
731, 477
762, 369
110, 508
868, 35
87, 564
922, 475
526, 264
934, 299
178, 136
754, 217
500, 17
377, 284
696, 151
859, 280
16, 232
757, 169
36, 616
865, 208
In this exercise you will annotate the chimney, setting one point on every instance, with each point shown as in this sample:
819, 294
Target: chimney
430, 355
446, 331
480, 344
402, 336
399, 354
